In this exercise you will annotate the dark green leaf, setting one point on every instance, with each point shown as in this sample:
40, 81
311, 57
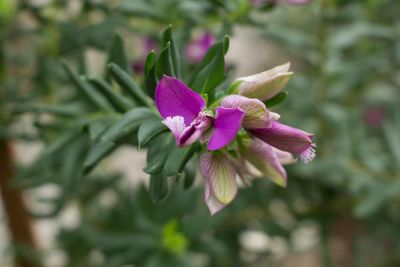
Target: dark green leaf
98, 127
190, 174
168, 38
119, 102
150, 74
165, 65
117, 54
88, 91
177, 160
128, 124
210, 72
158, 152
158, 187
148, 130
128, 85
62, 141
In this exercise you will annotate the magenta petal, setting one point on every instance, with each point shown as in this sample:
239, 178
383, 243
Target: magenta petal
174, 98
196, 130
226, 125
288, 139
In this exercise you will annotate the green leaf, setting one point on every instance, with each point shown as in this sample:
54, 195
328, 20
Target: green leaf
190, 173
158, 187
168, 38
128, 85
210, 72
158, 153
110, 139
98, 127
177, 160
88, 91
117, 54
141, 9
62, 140
276, 100
150, 74
226, 43
165, 65
149, 130
60, 110
119, 102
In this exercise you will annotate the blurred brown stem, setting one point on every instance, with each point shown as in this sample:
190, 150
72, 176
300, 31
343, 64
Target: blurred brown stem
14, 206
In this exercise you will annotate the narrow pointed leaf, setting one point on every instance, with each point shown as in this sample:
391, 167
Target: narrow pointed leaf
210, 72
165, 65
168, 38
119, 102
150, 74
117, 54
128, 124
124, 80
149, 130
158, 187
174, 161
88, 91
190, 173
158, 154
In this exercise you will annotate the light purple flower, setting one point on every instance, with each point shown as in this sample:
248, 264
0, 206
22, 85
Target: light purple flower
197, 49
288, 139
184, 114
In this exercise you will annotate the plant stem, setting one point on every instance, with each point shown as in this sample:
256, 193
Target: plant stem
14, 206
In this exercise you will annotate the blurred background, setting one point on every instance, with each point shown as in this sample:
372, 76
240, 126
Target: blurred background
342, 209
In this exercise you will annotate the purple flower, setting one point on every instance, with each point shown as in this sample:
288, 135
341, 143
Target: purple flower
197, 49
261, 148
185, 115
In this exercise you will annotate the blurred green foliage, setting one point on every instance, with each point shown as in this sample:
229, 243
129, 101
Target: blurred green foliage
346, 56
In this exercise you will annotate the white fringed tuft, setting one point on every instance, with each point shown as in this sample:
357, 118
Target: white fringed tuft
309, 154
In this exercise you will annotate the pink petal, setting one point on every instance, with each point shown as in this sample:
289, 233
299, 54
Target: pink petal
256, 114
220, 180
174, 98
226, 125
288, 139
264, 158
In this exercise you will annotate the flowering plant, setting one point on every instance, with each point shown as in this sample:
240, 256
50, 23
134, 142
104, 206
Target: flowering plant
236, 131
228, 124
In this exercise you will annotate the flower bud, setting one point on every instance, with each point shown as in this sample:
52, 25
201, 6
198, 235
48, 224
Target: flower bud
266, 84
